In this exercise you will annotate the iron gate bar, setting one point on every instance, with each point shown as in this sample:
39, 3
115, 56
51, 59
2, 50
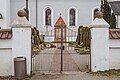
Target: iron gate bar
61, 48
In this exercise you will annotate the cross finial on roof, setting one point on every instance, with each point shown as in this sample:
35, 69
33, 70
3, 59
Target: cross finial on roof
60, 14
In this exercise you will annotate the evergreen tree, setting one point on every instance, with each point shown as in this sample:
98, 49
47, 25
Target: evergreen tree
102, 6
113, 21
107, 14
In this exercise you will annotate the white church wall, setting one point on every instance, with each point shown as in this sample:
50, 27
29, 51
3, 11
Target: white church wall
114, 50
5, 11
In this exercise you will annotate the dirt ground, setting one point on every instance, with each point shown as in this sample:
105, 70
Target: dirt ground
71, 76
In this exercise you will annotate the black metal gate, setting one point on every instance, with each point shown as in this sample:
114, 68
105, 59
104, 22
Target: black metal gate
58, 56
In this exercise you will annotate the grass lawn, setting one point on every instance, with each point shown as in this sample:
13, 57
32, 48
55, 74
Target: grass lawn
112, 72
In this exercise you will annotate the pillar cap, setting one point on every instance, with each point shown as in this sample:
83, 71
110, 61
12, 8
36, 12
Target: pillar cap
21, 21
99, 22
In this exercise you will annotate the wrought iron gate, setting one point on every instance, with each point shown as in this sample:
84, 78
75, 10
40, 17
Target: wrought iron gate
58, 56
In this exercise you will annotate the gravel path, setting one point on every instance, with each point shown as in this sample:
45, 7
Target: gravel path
50, 60
66, 76
68, 62
72, 76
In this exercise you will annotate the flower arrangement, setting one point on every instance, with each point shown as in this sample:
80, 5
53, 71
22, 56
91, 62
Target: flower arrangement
41, 46
48, 45
79, 46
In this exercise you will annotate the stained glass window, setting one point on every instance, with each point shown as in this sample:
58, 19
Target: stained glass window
48, 17
72, 17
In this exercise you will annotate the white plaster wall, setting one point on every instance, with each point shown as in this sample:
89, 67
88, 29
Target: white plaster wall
18, 46
5, 57
5, 61
5, 43
5, 11
114, 53
21, 46
118, 23
114, 42
99, 49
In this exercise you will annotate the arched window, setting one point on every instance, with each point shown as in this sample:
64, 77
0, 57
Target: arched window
48, 17
95, 10
72, 15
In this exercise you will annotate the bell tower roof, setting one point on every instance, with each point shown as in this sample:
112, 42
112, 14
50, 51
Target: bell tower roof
60, 21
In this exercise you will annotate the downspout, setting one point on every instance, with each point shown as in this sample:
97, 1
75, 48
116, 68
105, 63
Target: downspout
27, 10
36, 13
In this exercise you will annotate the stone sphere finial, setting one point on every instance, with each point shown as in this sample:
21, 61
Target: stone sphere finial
21, 13
99, 14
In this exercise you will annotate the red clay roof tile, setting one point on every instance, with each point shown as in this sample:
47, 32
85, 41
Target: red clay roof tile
5, 33
114, 33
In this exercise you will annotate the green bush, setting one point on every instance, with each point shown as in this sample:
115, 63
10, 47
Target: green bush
83, 37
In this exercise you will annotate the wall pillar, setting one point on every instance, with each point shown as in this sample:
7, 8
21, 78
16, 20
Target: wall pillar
99, 45
21, 41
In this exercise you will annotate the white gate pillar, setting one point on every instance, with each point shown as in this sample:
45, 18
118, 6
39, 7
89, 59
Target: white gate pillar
99, 44
21, 41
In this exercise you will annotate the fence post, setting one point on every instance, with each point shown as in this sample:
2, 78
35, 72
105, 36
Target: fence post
99, 44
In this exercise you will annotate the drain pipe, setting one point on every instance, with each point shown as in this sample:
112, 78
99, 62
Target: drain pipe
27, 10
36, 13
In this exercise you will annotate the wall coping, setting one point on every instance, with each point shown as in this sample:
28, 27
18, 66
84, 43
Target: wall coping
99, 23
